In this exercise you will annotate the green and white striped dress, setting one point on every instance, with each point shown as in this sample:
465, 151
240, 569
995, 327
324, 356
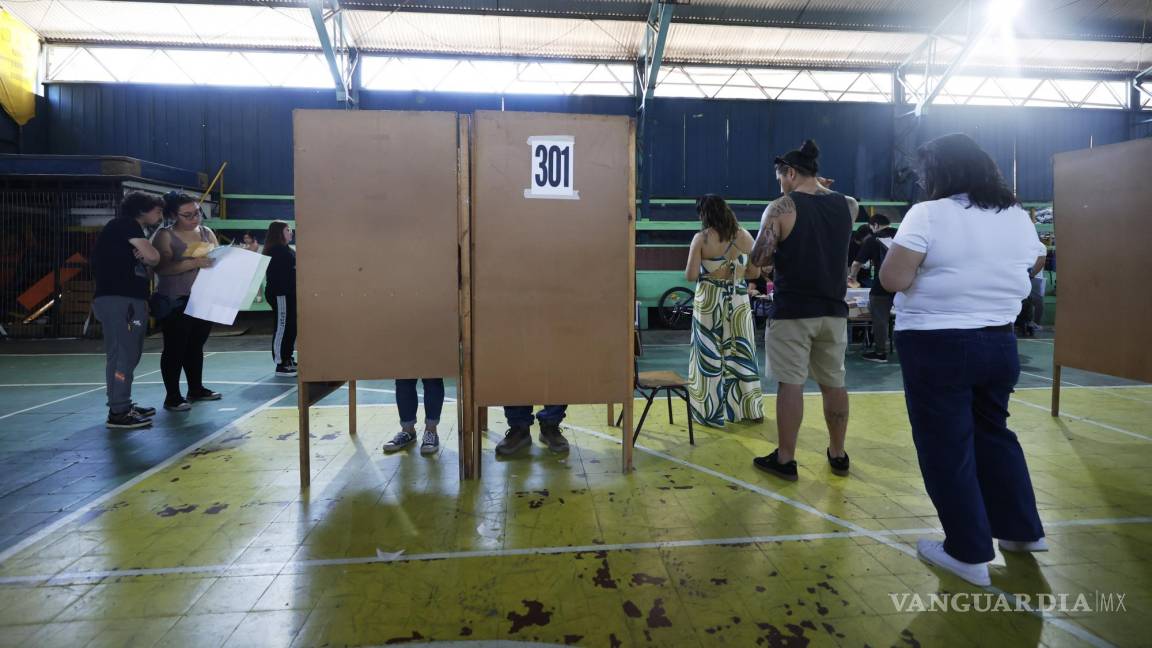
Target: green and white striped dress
722, 371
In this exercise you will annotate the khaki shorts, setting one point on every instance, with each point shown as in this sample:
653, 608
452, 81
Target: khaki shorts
797, 347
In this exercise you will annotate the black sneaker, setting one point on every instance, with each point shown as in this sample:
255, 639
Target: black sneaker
771, 464
839, 464
127, 421
285, 370
516, 439
177, 404
551, 436
204, 394
144, 412
875, 357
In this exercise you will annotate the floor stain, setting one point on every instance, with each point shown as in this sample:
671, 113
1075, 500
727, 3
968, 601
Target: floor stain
603, 576
658, 617
907, 637
416, 636
645, 579
535, 616
777, 639
169, 511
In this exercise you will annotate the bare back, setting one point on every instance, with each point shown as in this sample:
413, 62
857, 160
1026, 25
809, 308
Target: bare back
713, 247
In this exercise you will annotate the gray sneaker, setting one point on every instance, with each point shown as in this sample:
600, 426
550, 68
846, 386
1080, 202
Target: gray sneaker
402, 440
516, 439
550, 436
431, 443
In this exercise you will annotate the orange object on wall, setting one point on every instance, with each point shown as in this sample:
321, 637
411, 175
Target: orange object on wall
42, 289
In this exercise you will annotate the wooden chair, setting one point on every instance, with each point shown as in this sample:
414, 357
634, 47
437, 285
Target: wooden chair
651, 383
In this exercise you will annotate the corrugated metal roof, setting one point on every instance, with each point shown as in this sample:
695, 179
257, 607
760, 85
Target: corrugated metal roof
502, 34
495, 35
720, 44
100, 21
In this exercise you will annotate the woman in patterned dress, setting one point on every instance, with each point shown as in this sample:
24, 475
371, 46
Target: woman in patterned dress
725, 381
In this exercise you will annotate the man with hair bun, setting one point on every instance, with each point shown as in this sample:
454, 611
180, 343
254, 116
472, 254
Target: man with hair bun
804, 235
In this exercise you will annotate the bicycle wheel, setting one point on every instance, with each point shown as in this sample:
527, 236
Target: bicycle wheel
675, 307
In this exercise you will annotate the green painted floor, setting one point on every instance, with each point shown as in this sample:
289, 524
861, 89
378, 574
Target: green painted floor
56, 455
202, 536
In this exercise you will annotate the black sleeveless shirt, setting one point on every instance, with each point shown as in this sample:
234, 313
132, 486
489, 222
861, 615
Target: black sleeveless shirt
811, 264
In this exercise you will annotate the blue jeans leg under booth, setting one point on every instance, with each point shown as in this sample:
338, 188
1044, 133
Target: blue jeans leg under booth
521, 415
957, 384
408, 404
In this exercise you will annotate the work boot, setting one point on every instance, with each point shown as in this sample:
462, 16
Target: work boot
551, 436
516, 439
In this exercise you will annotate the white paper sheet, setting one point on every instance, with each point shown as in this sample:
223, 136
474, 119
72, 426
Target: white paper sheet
220, 292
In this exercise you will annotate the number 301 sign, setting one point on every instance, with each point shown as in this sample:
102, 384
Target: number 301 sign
552, 166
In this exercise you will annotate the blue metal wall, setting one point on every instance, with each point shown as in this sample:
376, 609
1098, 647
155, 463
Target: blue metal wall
727, 147
1023, 141
695, 146
189, 127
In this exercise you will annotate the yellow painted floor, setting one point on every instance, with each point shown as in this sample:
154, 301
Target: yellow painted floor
695, 548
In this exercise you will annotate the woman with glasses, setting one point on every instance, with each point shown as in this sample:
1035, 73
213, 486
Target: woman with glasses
724, 379
182, 246
960, 264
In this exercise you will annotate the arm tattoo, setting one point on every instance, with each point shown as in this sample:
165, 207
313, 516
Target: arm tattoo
768, 237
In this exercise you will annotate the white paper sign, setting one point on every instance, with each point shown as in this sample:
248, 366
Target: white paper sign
220, 292
553, 164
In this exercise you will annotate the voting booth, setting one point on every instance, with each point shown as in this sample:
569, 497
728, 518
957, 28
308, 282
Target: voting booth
495, 250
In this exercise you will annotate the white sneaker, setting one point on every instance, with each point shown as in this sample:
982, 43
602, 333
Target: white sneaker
932, 551
1022, 546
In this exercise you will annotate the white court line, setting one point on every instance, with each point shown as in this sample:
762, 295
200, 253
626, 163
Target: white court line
907, 550
147, 382
1073, 417
241, 569
454, 555
1103, 388
1048, 342
60, 355
71, 517
89, 391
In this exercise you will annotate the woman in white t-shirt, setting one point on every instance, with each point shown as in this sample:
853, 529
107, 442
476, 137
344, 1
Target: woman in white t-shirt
960, 264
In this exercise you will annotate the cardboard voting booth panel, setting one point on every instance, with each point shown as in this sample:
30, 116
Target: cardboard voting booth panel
553, 259
1102, 233
377, 271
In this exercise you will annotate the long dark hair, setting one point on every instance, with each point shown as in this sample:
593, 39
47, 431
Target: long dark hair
715, 213
955, 164
275, 236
